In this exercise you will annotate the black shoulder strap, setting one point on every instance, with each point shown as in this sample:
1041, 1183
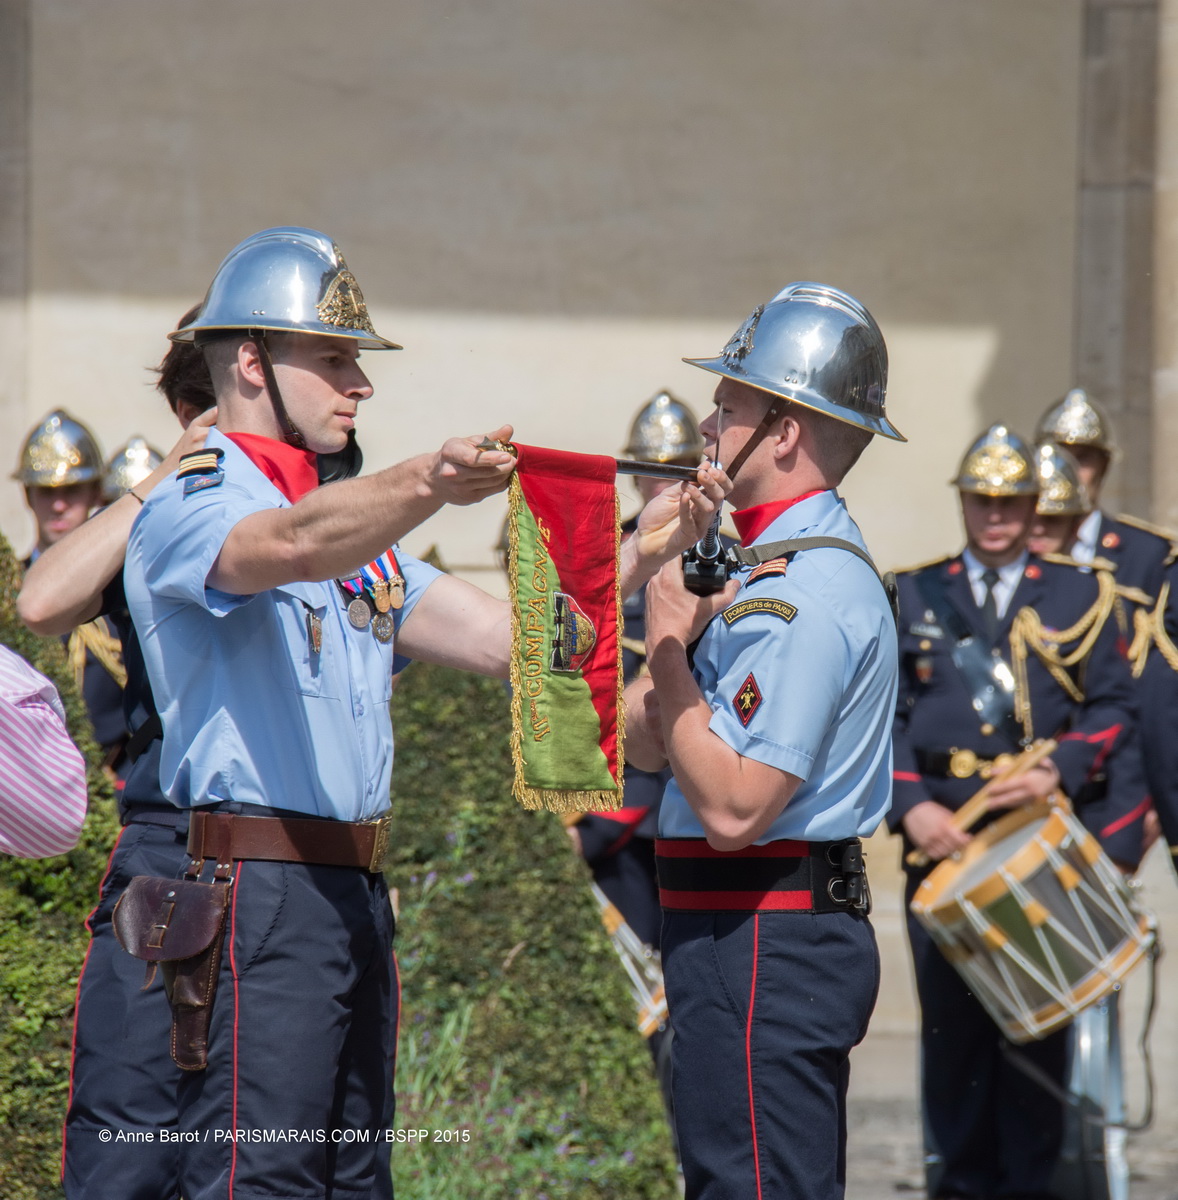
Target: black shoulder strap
151, 729
754, 556
987, 677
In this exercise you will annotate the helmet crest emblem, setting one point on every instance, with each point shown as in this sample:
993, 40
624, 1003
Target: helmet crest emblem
741, 341
343, 304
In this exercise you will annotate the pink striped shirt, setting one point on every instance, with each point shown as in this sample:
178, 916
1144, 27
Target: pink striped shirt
42, 772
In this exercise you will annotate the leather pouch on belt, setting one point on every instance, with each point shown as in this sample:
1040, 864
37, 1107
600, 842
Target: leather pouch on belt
179, 925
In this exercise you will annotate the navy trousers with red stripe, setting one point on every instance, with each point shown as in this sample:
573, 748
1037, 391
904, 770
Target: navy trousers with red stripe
766, 1008
302, 1042
123, 1080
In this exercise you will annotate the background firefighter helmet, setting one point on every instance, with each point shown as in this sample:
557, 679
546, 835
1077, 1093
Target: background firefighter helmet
999, 463
665, 430
1077, 420
129, 465
1061, 494
58, 452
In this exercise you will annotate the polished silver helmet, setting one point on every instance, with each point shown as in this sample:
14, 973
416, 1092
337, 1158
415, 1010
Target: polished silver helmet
58, 452
290, 280
817, 346
665, 430
1061, 493
129, 465
1077, 420
999, 463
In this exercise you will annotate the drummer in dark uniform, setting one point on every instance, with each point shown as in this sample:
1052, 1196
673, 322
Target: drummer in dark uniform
1142, 558
1136, 550
998, 649
62, 472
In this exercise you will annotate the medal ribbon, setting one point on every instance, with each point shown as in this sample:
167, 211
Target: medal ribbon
381, 569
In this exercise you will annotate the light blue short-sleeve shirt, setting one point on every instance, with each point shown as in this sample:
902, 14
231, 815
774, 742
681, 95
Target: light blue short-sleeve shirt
800, 672
251, 710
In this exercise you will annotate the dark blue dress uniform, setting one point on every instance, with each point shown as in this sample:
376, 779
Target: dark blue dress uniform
1136, 553
1159, 707
996, 1132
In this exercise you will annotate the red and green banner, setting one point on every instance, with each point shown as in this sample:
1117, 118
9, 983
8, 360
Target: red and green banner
566, 663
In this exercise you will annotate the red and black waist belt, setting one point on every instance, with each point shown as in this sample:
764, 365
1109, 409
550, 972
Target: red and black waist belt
781, 876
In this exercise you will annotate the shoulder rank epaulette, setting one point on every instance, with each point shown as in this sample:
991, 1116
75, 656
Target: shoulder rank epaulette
201, 469
1066, 560
1167, 535
775, 566
932, 562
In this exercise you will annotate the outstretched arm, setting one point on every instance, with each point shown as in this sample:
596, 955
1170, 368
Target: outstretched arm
335, 528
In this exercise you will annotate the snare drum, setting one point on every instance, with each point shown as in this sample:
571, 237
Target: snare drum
1036, 919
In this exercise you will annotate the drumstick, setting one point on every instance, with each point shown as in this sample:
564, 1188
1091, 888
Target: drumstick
976, 807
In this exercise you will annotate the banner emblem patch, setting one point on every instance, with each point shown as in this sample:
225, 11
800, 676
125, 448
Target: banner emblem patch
575, 634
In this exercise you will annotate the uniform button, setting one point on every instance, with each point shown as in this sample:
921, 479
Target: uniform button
926, 645
987, 729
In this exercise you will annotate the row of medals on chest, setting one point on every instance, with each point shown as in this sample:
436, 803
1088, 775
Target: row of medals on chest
371, 607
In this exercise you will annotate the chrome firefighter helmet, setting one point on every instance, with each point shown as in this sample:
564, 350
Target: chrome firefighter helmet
1061, 492
58, 452
129, 465
816, 346
999, 463
665, 430
1077, 420
290, 280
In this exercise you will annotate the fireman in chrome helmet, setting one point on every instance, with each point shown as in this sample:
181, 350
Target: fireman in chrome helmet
61, 469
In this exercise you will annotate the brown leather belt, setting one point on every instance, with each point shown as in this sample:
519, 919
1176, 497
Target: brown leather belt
227, 837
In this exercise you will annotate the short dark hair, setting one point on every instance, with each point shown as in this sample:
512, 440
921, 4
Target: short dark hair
837, 444
183, 374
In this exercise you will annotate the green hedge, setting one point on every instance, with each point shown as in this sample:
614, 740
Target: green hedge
518, 1052
496, 913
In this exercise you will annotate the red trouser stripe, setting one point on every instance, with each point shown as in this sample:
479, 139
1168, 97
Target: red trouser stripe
1128, 819
748, 1053
78, 993
236, 1021
794, 901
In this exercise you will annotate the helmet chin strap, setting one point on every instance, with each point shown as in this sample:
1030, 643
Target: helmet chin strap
290, 434
776, 408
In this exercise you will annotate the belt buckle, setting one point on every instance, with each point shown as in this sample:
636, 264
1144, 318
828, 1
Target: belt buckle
963, 764
380, 843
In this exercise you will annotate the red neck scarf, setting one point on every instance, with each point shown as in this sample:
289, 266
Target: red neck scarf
292, 471
752, 522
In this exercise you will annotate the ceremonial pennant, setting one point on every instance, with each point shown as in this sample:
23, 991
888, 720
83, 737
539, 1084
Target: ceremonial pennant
566, 663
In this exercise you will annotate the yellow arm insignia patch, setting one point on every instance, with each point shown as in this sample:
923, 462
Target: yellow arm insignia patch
763, 604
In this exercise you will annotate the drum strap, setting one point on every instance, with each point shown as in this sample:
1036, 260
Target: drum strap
988, 679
